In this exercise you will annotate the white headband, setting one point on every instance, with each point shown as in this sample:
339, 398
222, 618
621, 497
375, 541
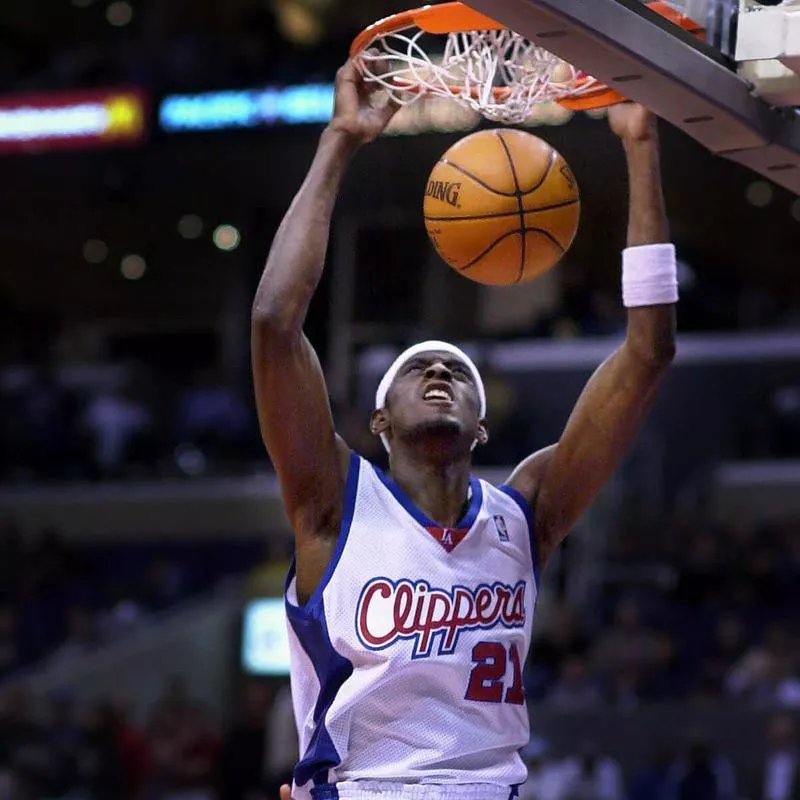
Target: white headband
427, 347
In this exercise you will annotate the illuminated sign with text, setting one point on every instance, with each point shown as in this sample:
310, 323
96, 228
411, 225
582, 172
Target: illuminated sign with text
80, 119
248, 108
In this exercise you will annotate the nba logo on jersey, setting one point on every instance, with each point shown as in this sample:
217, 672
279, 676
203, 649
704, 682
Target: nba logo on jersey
502, 530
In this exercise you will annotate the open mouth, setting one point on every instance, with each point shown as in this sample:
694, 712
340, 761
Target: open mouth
438, 394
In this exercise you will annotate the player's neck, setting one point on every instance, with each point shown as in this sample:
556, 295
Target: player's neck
438, 489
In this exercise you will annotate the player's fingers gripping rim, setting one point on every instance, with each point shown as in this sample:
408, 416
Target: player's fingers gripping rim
350, 79
374, 95
349, 72
346, 98
369, 86
389, 108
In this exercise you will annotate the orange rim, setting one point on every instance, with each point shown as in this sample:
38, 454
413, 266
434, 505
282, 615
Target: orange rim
456, 17
441, 19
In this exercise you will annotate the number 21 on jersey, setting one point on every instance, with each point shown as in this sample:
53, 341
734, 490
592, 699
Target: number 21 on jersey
487, 680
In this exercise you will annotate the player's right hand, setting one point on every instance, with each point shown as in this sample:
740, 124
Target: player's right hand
286, 792
632, 122
355, 112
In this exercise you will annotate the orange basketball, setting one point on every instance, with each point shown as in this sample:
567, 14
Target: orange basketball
502, 207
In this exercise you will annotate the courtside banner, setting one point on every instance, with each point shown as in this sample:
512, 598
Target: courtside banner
72, 120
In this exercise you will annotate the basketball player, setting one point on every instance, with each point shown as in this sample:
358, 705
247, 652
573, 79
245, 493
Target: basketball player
411, 600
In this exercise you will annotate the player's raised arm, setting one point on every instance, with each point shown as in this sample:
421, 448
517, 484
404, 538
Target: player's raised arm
291, 396
562, 480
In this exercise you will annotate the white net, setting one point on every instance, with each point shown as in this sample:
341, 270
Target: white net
498, 73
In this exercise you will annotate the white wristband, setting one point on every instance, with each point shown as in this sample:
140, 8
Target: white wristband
649, 275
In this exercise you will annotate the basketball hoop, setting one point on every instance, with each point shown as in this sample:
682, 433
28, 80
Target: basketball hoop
452, 51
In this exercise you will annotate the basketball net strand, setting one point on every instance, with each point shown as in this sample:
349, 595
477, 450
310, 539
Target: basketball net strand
497, 73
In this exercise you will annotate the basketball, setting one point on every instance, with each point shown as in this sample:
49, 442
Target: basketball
501, 207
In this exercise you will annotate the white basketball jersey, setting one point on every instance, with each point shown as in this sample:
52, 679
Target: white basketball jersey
407, 659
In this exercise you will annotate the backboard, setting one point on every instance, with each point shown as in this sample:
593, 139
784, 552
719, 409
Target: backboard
736, 92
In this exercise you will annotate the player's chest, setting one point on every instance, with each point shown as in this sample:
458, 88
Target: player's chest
423, 590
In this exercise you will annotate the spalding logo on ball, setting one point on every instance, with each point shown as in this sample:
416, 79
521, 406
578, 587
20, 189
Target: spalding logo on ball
502, 207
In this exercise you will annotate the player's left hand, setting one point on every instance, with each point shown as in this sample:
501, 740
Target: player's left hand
632, 122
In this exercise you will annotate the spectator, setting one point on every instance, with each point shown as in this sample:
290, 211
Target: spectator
785, 420
701, 774
64, 739
626, 690
163, 733
43, 437
163, 585
81, 637
782, 687
763, 574
703, 693
575, 690
212, 417
591, 776
752, 673
123, 615
24, 761
563, 637
282, 735
627, 645
740, 537
668, 678
176, 699
190, 773
120, 427
780, 775
242, 763
9, 649
11, 555
545, 776
99, 765
53, 560
728, 645
7, 788
135, 754
184, 748
791, 565
653, 781
702, 578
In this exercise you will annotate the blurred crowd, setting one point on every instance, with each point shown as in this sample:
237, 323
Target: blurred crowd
713, 618
134, 425
694, 769
57, 748
59, 601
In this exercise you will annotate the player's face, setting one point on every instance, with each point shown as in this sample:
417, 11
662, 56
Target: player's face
434, 393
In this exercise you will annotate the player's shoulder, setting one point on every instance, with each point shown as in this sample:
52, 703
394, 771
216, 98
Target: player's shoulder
505, 503
505, 494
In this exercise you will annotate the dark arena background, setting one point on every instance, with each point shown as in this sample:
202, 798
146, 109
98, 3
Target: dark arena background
148, 149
